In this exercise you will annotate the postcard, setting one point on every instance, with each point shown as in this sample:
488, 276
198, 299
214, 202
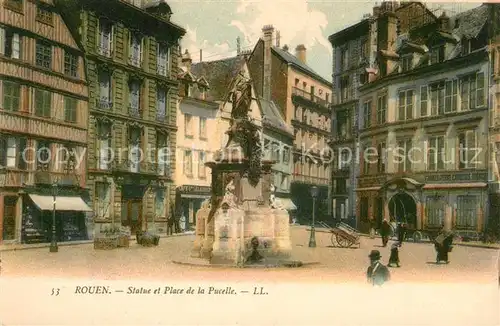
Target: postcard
249, 162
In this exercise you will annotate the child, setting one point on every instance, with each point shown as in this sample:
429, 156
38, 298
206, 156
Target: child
394, 258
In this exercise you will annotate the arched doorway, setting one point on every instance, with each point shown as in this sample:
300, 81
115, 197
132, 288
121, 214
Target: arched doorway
402, 208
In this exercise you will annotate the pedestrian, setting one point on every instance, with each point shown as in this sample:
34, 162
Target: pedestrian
394, 258
443, 245
377, 273
372, 228
170, 225
401, 232
385, 231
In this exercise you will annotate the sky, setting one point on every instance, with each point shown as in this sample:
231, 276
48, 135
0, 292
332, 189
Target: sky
214, 25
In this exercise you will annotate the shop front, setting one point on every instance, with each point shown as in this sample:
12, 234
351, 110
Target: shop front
38, 215
189, 199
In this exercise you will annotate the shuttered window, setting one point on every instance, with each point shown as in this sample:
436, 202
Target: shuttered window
43, 103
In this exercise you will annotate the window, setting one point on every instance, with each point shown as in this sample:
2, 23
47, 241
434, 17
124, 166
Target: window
451, 96
345, 161
134, 99
472, 92
424, 101
365, 53
405, 111
105, 46
344, 88
103, 199
367, 113
163, 157
163, 58
43, 103
43, 54
43, 155
275, 154
381, 152
11, 152
160, 202
135, 57
135, 153
43, 15
343, 124
403, 155
363, 208
203, 127
344, 61
406, 62
436, 153
70, 109
70, 64
366, 160
382, 109
188, 163
188, 89
340, 186
161, 101
104, 102
201, 165
188, 130
466, 212
11, 96
437, 98
286, 155
437, 54
435, 209
10, 43
104, 145
467, 149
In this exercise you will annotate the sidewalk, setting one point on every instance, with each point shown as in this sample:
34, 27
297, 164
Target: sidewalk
475, 244
22, 246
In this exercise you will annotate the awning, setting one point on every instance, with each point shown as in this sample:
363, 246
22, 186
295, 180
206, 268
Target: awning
195, 196
74, 204
287, 204
369, 189
455, 185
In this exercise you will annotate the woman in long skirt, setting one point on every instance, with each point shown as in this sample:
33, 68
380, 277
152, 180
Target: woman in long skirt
443, 246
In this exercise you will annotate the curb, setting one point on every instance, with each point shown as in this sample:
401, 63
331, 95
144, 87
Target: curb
18, 246
284, 266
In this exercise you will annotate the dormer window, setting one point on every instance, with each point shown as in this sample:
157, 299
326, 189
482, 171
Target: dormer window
203, 92
188, 90
407, 62
466, 46
437, 54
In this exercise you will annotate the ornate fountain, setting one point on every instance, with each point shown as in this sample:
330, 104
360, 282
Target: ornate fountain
242, 224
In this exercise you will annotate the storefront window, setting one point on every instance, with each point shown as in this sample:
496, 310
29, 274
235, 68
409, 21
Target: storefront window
9, 218
466, 212
160, 203
435, 208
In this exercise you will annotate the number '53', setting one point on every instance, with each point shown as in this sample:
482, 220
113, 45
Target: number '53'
55, 292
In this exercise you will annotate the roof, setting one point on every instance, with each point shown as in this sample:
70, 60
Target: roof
271, 116
293, 60
470, 22
218, 74
155, 3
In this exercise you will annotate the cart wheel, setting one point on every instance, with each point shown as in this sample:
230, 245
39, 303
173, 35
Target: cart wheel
417, 236
334, 240
344, 243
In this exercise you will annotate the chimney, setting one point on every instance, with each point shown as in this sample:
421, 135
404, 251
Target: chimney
285, 48
201, 55
300, 53
278, 36
267, 31
376, 11
444, 22
186, 60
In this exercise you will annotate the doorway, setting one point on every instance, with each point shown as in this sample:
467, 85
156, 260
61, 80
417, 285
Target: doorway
379, 211
132, 214
9, 218
402, 208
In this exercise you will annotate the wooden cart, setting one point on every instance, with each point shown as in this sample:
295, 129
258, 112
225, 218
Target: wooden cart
343, 235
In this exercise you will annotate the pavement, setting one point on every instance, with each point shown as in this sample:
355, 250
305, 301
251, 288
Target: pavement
337, 265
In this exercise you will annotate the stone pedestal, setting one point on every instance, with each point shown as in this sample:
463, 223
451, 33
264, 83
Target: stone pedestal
201, 218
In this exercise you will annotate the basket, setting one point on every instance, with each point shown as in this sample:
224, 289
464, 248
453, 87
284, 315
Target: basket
105, 243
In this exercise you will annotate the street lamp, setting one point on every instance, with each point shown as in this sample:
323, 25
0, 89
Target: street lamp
53, 243
312, 238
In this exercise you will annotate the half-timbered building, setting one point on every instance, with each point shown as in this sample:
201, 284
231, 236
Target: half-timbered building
132, 62
43, 125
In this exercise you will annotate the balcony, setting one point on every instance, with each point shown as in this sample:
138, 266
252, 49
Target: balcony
311, 180
104, 104
310, 97
61, 178
143, 168
135, 60
161, 69
104, 51
16, 178
160, 116
134, 111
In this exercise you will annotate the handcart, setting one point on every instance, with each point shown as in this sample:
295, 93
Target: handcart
343, 235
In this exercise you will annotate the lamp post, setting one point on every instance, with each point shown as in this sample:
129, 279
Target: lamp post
53, 243
312, 238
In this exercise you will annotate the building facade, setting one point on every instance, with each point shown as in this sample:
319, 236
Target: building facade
132, 64
424, 122
43, 125
303, 98
197, 127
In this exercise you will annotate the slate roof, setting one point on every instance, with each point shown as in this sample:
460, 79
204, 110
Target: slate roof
218, 74
271, 116
470, 22
291, 59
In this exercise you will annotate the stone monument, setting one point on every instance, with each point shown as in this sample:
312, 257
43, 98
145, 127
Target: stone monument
242, 223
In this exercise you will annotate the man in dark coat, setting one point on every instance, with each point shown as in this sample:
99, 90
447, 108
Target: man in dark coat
401, 232
385, 231
443, 245
394, 258
377, 274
